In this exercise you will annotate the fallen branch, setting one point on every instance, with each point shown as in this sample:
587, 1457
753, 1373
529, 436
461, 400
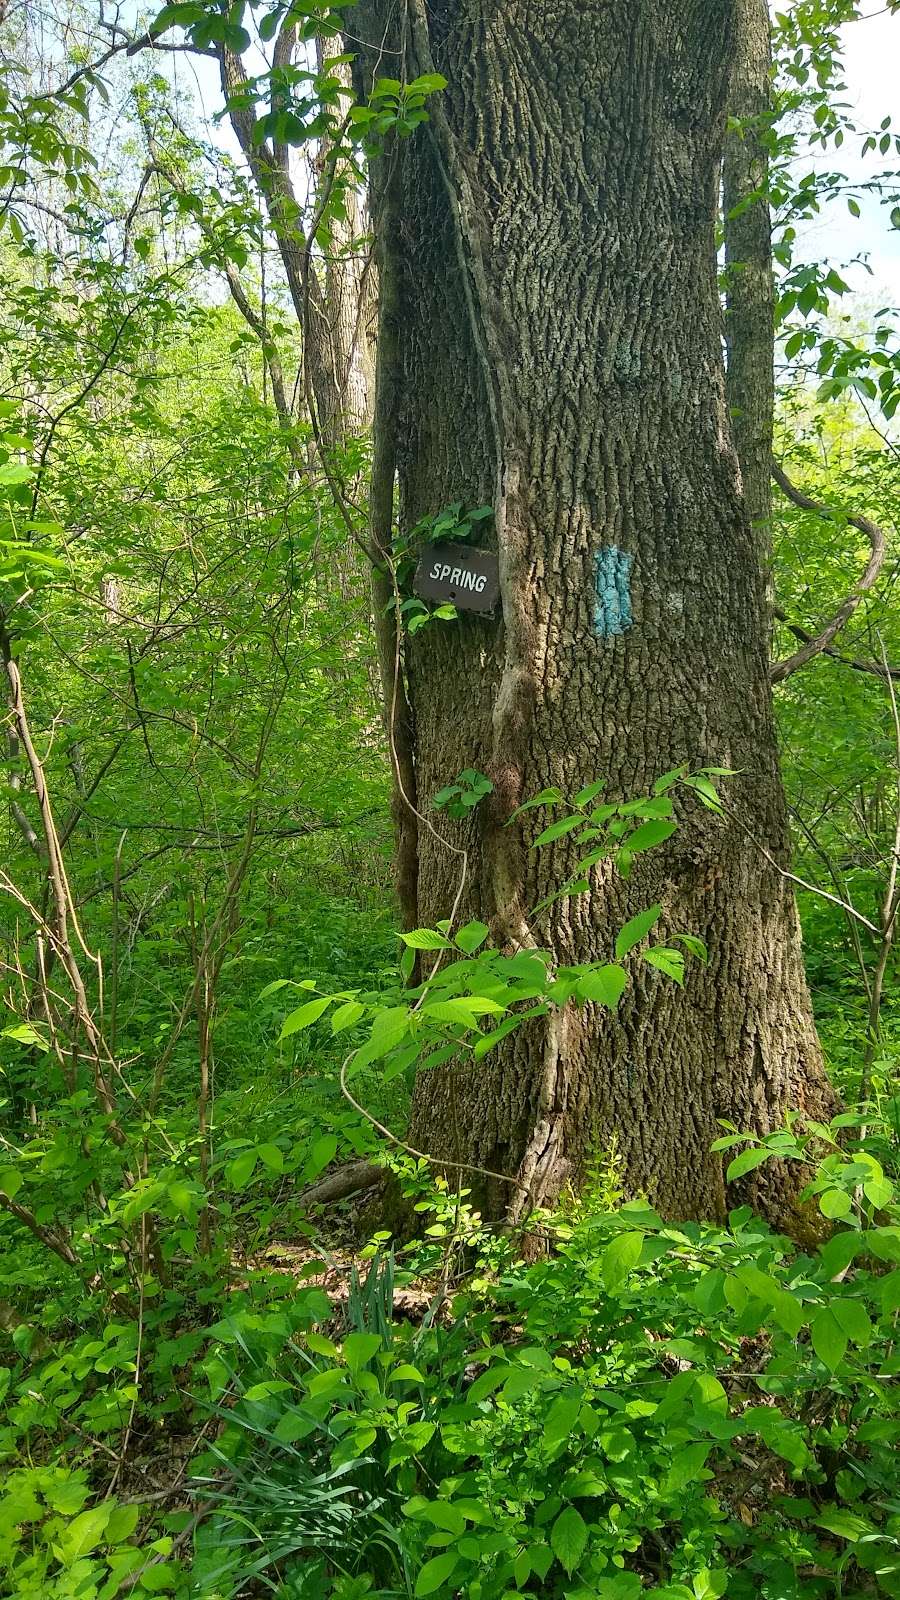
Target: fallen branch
349, 1179
818, 643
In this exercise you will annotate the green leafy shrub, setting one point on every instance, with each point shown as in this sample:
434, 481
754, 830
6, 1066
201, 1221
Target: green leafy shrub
680, 1410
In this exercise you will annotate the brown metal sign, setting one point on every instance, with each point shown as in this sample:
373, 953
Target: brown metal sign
468, 578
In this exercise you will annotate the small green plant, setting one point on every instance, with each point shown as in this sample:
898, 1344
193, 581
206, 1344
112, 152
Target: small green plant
458, 799
850, 1185
394, 107
603, 1186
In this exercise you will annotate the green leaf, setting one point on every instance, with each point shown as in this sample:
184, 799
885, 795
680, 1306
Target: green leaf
547, 797
472, 937
604, 986
558, 829
667, 779
436, 1572
274, 986
854, 1319
835, 1203
889, 1292
562, 1416
432, 83
161, 1578
84, 1533
11, 1182
487, 1382
709, 1585
878, 1191
440, 1513
179, 14
489, 1040
568, 1538
685, 1466
846, 1524
648, 835
66, 1497
122, 1523
828, 1338
462, 1008
666, 960
585, 1486
323, 1151
321, 1346
620, 1256
788, 1311
694, 946
709, 1290
399, 1061
588, 793
304, 1016
707, 792
425, 939
271, 1156
24, 1033
635, 930
389, 1028
476, 780
359, 1348
183, 1197
239, 1171
346, 1016
746, 1161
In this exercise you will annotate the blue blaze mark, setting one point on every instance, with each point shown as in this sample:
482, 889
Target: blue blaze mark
612, 583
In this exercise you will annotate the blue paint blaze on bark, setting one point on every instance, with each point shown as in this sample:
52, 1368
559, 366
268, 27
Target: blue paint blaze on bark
612, 583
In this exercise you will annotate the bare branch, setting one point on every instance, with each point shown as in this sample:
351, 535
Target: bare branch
19, 817
72, 405
56, 1241
874, 668
123, 46
878, 542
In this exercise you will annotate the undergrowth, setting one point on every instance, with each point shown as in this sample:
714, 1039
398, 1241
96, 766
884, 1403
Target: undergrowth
682, 1410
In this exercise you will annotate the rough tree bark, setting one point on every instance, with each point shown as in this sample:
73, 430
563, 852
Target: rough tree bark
750, 290
558, 353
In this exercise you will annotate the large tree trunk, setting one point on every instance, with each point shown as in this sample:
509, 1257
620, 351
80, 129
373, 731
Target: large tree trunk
559, 354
